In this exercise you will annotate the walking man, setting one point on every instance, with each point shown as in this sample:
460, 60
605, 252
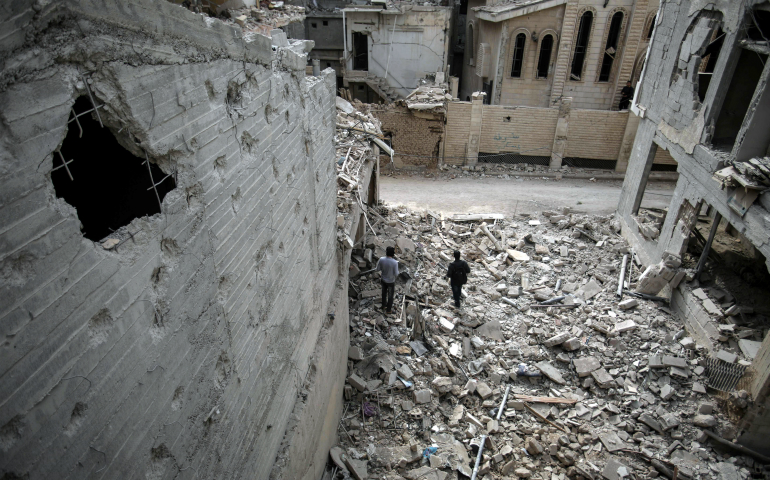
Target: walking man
389, 268
458, 276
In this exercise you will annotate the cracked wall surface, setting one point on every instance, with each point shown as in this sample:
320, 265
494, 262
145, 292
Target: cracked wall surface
181, 352
418, 45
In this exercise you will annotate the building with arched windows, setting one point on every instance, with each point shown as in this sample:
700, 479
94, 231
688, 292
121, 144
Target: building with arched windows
547, 49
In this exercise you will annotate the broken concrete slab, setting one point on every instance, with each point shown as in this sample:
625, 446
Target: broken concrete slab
551, 372
585, 365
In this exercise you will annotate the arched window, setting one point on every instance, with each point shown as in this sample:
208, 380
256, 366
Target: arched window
518, 55
581, 45
470, 45
651, 27
544, 60
611, 48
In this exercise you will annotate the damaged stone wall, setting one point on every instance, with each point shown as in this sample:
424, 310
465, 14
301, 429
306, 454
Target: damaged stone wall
184, 341
416, 136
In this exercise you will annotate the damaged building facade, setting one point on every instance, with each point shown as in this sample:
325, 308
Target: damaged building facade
703, 98
388, 50
170, 247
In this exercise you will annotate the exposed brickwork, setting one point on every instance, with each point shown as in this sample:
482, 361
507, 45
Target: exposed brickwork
416, 139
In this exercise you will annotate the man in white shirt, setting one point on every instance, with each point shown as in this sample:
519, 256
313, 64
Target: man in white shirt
389, 268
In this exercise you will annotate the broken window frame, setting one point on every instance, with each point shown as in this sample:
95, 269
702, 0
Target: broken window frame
544, 58
649, 26
612, 42
518, 43
582, 44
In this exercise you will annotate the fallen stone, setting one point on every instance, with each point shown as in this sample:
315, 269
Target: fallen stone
704, 421
705, 408
491, 329
612, 442
522, 472
483, 390
726, 356
405, 372
557, 339
534, 447
422, 396
357, 382
585, 365
355, 353
624, 326
670, 361
711, 308
551, 372
357, 468
667, 392
517, 255
591, 289
571, 345
615, 470
602, 377
749, 348
628, 304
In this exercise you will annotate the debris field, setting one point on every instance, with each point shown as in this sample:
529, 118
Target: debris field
545, 365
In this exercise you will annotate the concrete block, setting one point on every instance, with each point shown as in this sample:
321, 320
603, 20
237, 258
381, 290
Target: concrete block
422, 396
357, 382
628, 303
571, 344
585, 365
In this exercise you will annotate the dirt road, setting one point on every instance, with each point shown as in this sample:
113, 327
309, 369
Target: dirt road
509, 196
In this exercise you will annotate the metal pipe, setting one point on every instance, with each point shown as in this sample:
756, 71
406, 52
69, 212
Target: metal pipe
502, 405
478, 457
622, 276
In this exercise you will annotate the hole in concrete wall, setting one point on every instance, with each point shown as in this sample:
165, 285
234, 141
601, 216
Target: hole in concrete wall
360, 51
709, 61
738, 98
734, 272
109, 186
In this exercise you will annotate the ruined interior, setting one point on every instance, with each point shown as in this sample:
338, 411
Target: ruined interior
199, 204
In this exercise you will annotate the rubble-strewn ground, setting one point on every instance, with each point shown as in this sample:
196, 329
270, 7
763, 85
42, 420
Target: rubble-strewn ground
626, 387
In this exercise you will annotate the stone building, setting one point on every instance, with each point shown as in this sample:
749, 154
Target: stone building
533, 52
704, 99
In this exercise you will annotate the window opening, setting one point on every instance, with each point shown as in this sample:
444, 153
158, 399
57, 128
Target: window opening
758, 26
581, 45
652, 27
107, 184
611, 47
314, 25
709, 61
487, 87
463, 7
360, 51
544, 61
738, 99
326, 23
518, 55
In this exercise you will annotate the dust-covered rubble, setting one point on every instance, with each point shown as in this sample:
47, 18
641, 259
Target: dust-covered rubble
600, 386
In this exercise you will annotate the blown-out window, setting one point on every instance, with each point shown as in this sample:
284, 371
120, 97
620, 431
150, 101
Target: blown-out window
518, 55
581, 45
470, 45
544, 60
611, 47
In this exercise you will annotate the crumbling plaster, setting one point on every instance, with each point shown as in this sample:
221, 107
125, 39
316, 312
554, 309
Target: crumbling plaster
418, 45
184, 349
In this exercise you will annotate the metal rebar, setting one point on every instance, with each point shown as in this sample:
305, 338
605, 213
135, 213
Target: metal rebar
64, 164
91, 97
77, 121
147, 161
707, 247
502, 405
478, 457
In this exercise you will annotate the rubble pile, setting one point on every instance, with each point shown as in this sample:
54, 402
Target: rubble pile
752, 173
262, 18
353, 142
544, 365
430, 95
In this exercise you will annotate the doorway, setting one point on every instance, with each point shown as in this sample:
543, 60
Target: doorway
360, 51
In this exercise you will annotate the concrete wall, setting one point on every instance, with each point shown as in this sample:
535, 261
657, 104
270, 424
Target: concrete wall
328, 39
418, 46
185, 351
593, 134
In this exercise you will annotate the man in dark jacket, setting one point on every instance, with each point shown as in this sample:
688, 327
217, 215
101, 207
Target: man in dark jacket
458, 276
626, 95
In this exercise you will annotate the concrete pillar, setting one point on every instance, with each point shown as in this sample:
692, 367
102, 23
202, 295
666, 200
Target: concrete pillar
560, 136
628, 142
474, 132
316, 67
